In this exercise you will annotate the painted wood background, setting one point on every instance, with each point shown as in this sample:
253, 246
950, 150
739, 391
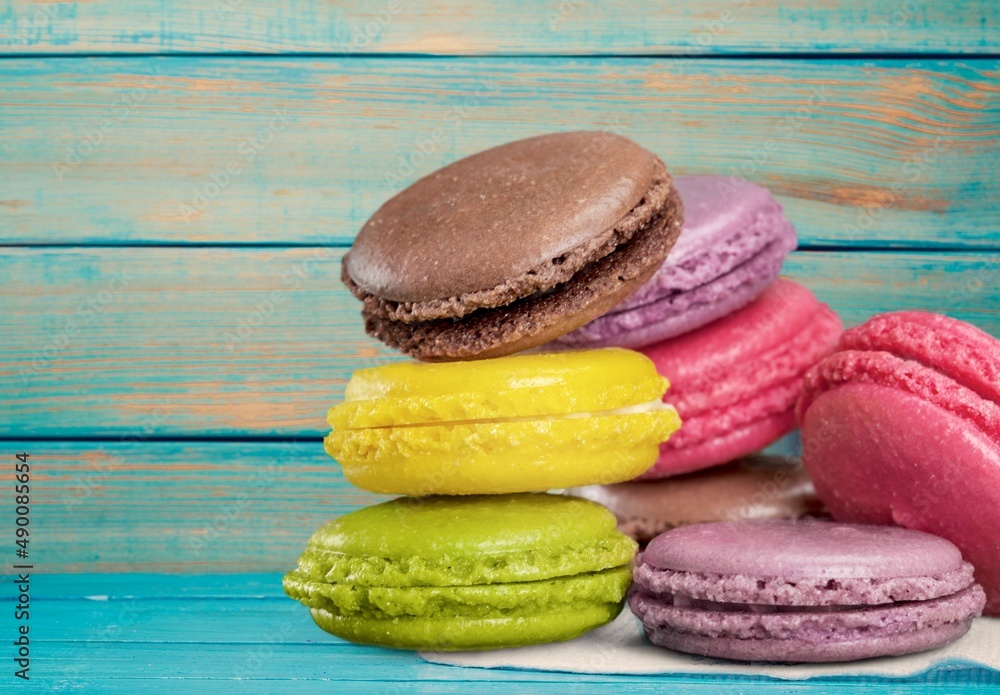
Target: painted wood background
577, 27
179, 180
173, 225
300, 151
236, 343
130, 624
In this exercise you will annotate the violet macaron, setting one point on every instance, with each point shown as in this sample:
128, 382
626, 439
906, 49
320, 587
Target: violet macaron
901, 425
803, 591
731, 247
735, 381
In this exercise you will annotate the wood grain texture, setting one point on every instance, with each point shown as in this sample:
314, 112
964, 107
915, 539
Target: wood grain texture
302, 151
498, 26
315, 668
118, 634
179, 507
237, 342
134, 585
192, 507
127, 344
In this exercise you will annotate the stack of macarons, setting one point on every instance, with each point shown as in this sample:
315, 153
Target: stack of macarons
561, 242
497, 253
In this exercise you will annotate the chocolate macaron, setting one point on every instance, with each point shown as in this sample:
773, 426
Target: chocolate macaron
514, 246
755, 487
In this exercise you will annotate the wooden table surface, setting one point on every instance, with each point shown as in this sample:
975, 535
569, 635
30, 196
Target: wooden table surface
179, 181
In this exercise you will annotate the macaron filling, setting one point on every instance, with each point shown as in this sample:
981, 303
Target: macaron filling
542, 316
515, 424
673, 302
656, 406
408, 393
471, 458
765, 240
778, 591
526, 564
492, 600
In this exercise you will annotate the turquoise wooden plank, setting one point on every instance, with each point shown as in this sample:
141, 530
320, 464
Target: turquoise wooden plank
171, 507
124, 587
178, 507
859, 285
154, 342
191, 507
261, 341
568, 685
392, 672
351, 664
178, 620
498, 26
882, 153
180, 644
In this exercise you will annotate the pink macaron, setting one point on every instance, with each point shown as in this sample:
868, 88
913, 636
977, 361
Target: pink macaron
735, 381
901, 425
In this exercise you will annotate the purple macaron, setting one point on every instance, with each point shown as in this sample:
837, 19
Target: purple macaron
734, 239
803, 591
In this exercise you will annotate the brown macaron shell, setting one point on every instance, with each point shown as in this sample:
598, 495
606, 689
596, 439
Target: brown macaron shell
755, 487
514, 246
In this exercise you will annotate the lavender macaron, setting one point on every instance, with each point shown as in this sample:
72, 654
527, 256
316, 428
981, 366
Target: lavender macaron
732, 244
803, 591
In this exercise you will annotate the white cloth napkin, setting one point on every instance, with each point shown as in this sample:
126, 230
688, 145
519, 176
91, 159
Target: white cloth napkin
621, 647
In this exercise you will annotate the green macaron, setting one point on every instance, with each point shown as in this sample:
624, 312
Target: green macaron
456, 573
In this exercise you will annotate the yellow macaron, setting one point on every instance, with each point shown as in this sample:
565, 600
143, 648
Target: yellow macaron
513, 424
